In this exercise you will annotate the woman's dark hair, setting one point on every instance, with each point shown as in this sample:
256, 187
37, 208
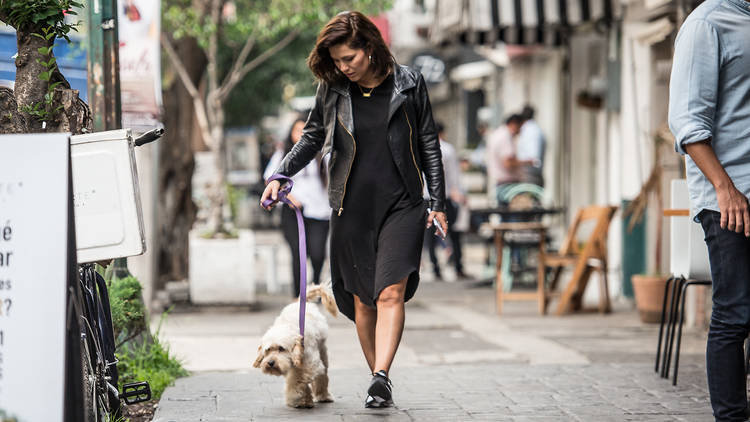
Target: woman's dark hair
288, 144
356, 31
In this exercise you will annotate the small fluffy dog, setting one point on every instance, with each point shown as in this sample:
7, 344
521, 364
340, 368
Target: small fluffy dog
282, 352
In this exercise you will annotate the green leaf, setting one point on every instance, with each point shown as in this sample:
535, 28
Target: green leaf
43, 50
37, 35
45, 76
51, 61
54, 85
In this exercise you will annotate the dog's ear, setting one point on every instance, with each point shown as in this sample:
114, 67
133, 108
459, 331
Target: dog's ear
298, 352
259, 359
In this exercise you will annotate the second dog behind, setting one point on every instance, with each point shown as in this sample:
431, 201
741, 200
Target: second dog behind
281, 352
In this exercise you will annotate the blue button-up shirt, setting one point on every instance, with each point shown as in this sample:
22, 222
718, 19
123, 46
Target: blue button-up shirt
710, 94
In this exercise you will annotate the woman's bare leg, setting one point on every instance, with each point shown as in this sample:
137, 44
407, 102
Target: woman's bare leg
390, 324
364, 319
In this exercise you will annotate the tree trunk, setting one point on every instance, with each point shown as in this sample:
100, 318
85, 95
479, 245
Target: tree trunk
218, 190
29, 89
176, 209
73, 117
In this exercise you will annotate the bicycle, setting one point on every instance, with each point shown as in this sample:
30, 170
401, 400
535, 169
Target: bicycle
92, 344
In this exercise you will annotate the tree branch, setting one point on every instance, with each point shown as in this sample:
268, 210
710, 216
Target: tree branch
236, 78
200, 108
249, 44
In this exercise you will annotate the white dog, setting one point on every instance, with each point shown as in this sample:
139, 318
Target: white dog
281, 352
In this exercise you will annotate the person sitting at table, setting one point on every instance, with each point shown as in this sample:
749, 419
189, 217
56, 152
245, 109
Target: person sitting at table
503, 167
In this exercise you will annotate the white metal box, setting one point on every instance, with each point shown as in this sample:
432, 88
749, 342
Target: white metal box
108, 215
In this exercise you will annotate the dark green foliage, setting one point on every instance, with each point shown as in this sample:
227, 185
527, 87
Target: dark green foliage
150, 362
142, 357
39, 14
128, 312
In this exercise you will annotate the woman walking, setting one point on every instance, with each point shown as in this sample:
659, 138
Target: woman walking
375, 118
310, 196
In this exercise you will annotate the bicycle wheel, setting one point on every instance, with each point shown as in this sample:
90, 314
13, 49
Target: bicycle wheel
95, 384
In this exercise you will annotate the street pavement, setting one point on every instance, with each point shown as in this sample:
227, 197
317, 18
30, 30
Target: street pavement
458, 361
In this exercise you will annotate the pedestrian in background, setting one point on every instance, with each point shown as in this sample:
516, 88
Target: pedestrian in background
503, 165
375, 118
531, 147
709, 114
311, 197
455, 200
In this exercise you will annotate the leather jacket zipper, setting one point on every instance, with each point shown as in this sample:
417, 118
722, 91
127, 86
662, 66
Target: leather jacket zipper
411, 148
341, 205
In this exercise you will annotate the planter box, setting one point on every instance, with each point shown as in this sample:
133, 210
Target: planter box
221, 270
649, 296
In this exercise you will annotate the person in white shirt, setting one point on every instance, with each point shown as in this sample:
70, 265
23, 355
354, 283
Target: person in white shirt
503, 165
531, 146
311, 196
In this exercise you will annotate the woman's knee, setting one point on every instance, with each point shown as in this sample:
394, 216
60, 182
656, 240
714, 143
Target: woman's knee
392, 295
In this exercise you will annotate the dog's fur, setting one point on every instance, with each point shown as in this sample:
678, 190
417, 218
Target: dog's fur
282, 352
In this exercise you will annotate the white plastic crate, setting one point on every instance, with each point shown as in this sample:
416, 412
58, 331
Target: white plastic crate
108, 215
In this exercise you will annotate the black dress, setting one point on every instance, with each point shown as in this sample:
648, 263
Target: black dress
377, 239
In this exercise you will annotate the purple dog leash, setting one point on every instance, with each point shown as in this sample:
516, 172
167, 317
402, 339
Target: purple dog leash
282, 196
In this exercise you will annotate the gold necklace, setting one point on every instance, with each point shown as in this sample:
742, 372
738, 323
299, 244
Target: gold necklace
366, 94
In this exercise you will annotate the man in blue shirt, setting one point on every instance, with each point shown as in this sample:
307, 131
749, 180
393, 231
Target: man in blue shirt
709, 114
531, 147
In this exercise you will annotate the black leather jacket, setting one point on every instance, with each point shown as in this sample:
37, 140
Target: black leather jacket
412, 138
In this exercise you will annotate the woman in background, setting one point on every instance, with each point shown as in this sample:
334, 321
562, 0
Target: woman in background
310, 196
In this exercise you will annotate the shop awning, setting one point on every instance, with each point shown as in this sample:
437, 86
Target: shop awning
518, 21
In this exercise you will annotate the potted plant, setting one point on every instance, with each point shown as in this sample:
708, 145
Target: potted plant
649, 288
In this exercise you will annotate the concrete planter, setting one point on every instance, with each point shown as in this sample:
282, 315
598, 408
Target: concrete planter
221, 270
649, 296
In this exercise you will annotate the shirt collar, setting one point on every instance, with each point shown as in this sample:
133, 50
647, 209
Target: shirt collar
742, 4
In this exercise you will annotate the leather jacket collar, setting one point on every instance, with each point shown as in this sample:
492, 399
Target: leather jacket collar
402, 81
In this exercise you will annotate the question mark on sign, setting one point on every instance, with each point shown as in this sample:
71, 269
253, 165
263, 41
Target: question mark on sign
8, 302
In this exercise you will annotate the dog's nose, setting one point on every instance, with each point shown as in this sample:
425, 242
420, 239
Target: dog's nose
271, 363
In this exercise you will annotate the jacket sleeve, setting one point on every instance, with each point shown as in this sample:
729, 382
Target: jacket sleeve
313, 137
429, 148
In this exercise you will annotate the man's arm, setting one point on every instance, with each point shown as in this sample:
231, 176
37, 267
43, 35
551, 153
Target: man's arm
733, 204
693, 92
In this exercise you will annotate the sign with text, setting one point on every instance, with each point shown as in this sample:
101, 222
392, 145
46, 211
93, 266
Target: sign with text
34, 269
139, 28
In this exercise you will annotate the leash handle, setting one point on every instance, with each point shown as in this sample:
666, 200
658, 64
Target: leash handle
285, 190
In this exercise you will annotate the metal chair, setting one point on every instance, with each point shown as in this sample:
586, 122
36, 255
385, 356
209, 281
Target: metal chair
689, 266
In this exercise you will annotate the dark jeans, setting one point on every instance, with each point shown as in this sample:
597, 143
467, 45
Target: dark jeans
316, 234
451, 211
729, 254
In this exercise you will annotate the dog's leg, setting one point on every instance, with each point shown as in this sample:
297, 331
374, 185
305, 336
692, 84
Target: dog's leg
320, 381
298, 393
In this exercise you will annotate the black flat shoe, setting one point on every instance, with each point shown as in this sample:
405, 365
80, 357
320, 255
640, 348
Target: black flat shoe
380, 393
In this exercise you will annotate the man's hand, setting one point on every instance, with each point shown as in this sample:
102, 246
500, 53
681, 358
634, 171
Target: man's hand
732, 203
735, 213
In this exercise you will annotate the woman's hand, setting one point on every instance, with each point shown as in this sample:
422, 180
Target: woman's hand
272, 192
294, 200
442, 220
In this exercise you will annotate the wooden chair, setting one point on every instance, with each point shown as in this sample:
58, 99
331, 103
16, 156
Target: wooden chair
584, 259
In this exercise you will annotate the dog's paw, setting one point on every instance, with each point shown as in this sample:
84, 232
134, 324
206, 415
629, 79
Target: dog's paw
324, 399
302, 404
